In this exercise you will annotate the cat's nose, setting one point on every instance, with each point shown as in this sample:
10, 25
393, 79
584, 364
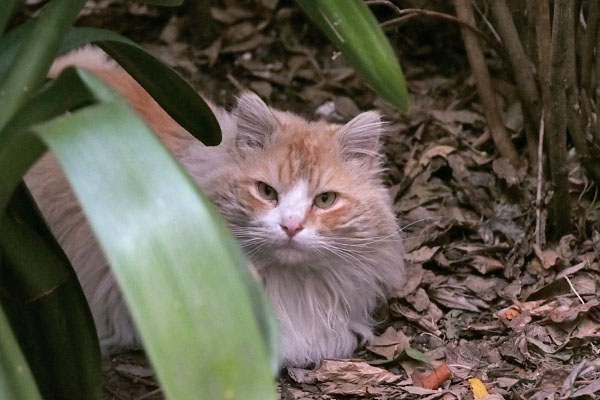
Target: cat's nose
291, 228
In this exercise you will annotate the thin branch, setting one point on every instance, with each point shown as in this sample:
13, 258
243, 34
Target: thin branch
484, 85
557, 126
540, 182
523, 74
588, 45
596, 90
410, 13
486, 21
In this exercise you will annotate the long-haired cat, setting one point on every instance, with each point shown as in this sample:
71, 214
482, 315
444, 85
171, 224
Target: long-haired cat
304, 199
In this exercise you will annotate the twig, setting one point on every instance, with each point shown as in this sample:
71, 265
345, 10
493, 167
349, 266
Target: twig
521, 67
149, 394
540, 180
574, 111
137, 379
484, 85
486, 21
483, 138
557, 110
410, 13
588, 45
573, 289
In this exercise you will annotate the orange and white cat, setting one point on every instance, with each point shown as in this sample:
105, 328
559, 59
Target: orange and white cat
304, 199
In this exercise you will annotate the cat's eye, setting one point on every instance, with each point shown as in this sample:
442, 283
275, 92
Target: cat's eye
266, 191
325, 199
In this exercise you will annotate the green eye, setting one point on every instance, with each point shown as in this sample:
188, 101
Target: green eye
325, 199
266, 191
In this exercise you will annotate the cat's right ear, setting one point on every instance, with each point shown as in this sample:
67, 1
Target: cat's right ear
255, 121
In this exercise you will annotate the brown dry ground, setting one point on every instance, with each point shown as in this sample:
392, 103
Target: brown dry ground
486, 296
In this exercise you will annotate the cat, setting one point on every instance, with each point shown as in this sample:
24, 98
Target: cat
305, 200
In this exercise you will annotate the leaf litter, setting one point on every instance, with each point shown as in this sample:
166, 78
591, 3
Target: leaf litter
508, 313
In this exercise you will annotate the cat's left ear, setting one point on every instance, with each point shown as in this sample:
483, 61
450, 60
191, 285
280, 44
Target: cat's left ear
360, 137
255, 121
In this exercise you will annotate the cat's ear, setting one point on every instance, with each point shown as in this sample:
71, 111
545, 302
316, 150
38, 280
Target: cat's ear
360, 137
255, 121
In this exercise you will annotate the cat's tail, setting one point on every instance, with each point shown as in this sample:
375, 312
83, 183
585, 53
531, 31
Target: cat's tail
175, 137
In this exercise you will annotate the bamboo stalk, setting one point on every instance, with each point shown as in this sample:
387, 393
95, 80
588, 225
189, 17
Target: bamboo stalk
499, 133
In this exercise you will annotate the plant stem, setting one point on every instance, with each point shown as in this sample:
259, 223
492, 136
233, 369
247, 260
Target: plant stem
575, 114
557, 142
588, 45
523, 74
484, 85
35, 56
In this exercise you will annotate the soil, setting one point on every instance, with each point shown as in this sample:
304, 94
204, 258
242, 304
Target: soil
492, 294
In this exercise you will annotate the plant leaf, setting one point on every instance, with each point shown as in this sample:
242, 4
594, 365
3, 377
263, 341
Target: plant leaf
46, 306
18, 147
165, 85
16, 380
353, 29
6, 12
177, 264
38, 49
416, 355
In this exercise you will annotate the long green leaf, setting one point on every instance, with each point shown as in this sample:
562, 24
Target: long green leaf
174, 259
46, 306
36, 53
16, 380
165, 85
6, 12
18, 147
353, 29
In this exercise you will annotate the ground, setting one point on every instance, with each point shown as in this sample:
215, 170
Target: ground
491, 294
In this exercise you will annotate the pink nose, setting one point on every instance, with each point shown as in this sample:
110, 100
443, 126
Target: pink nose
291, 228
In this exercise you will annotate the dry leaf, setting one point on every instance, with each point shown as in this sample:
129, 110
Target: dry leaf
435, 151
389, 344
462, 116
478, 388
570, 313
437, 377
422, 255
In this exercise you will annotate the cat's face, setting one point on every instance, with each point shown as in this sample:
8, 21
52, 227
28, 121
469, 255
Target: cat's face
307, 191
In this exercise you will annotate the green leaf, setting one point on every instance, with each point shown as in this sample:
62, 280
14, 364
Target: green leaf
19, 148
416, 355
176, 262
352, 28
46, 306
35, 55
165, 85
6, 12
16, 380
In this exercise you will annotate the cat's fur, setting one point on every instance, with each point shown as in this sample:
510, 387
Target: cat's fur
324, 282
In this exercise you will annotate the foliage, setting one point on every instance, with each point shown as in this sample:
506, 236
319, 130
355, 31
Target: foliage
174, 259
